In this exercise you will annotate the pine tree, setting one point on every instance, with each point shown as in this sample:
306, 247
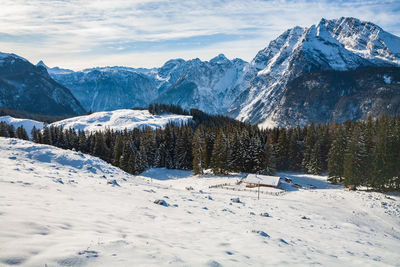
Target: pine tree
381, 173
21, 133
335, 157
199, 148
219, 156
269, 159
46, 136
295, 150
309, 143
117, 150
355, 159
282, 151
126, 153
99, 145
82, 142
3, 129
315, 163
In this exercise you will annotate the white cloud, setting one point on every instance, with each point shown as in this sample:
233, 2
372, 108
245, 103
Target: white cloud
79, 33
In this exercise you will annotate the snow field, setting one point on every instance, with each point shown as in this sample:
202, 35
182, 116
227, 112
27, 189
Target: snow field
58, 207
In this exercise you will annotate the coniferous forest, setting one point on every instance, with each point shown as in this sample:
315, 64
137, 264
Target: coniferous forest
363, 153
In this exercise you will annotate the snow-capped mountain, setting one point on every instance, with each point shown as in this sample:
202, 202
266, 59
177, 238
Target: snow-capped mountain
257, 92
340, 45
26, 87
207, 85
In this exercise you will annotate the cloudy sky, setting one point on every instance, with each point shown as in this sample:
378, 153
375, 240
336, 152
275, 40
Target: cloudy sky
145, 33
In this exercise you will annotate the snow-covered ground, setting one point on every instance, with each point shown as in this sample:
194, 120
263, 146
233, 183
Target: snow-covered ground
26, 123
120, 119
63, 208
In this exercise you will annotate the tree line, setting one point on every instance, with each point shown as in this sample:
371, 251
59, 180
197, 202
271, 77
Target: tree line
363, 153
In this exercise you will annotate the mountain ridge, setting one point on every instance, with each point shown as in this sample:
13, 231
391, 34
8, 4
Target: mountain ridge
255, 92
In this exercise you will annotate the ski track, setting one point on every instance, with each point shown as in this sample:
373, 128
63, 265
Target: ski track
57, 208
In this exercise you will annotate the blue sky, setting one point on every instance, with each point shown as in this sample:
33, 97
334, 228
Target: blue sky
145, 33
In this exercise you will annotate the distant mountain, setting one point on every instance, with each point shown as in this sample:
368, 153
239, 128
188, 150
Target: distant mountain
102, 89
26, 87
337, 45
208, 85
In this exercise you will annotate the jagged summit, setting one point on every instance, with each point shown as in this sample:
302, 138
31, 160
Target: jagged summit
41, 63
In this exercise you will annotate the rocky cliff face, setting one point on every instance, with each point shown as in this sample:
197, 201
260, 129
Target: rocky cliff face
26, 87
324, 96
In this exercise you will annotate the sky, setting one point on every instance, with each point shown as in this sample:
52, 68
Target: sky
79, 34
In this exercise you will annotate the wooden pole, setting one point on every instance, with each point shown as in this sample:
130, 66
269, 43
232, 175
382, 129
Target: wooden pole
258, 190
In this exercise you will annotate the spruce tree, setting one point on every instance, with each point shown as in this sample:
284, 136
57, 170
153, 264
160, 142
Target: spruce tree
336, 155
46, 136
21, 133
355, 159
219, 156
117, 150
126, 153
199, 149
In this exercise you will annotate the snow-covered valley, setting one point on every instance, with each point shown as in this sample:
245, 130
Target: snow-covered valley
64, 208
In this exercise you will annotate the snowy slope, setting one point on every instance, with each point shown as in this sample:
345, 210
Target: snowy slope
26, 123
119, 120
58, 209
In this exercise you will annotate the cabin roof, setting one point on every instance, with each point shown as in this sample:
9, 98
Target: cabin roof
262, 179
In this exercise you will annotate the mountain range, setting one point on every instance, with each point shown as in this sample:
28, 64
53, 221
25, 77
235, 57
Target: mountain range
335, 70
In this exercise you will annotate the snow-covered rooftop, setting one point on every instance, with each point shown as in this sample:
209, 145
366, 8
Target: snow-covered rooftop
262, 179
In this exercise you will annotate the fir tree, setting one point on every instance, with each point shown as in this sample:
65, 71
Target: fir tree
219, 156
335, 157
117, 150
199, 149
21, 133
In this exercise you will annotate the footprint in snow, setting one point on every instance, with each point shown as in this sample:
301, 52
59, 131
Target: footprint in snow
89, 253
